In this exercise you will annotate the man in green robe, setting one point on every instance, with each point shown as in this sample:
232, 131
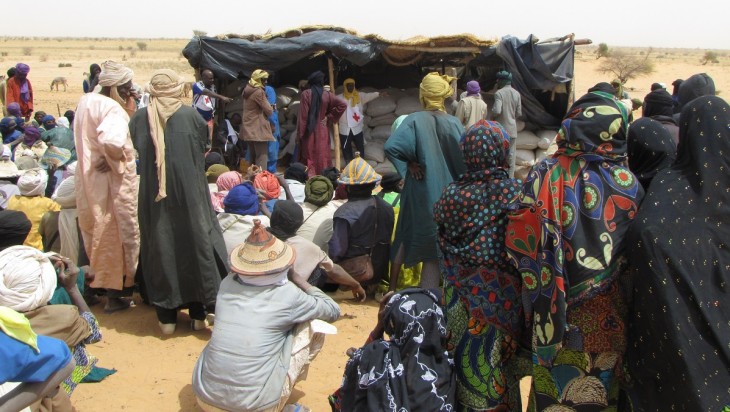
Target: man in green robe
428, 142
183, 255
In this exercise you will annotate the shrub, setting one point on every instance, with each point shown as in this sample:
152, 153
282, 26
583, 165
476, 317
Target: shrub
44, 58
142, 45
27, 51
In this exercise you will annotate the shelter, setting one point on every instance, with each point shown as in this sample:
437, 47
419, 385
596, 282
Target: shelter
542, 70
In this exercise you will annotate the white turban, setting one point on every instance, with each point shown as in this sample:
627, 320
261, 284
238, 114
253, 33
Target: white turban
114, 74
33, 182
63, 122
7, 153
27, 278
66, 193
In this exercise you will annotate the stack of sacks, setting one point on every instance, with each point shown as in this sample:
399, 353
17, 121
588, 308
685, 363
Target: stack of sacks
287, 105
532, 148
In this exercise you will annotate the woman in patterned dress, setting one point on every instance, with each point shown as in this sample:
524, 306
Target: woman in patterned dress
481, 288
567, 242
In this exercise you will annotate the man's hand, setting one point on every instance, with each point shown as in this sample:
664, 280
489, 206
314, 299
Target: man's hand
226, 99
358, 293
102, 166
415, 170
68, 272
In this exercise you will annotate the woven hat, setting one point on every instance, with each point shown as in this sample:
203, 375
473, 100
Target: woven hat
261, 254
359, 172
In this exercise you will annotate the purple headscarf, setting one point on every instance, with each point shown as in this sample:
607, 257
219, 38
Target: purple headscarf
473, 88
21, 71
31, 135
14, 109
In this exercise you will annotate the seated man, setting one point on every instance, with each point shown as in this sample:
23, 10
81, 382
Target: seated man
262, 323
318, 210
242, 206
311, 262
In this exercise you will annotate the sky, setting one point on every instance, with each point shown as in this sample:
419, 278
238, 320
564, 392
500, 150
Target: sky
699, 24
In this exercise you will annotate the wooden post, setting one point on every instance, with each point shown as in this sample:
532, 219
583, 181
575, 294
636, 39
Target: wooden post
335, 125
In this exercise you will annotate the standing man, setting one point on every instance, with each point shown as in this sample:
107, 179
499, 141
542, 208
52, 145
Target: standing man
352, 122
471, 108
4, 90
106, 185
317, 109
256, 130
507, 108
183, 254
428, 142
274, 122
19, 90
205, 98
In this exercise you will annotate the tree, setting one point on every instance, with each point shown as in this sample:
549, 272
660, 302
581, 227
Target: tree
602, 51
625, 66
142, 45
709, 57
199, 33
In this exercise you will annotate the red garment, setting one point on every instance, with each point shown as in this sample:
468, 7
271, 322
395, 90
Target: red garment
13, 90
314, 148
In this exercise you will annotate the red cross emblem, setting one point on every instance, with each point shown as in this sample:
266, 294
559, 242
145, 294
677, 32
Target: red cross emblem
356, 117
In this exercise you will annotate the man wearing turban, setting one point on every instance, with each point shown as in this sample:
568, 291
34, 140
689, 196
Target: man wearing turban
183, 255
428, 142
507, 108
106, 184
352, 122
318, 210
20, 91
256, 129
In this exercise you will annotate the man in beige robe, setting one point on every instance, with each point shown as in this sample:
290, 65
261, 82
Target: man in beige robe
106, 185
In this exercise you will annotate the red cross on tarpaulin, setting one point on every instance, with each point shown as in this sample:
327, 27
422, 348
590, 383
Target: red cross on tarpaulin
356, 116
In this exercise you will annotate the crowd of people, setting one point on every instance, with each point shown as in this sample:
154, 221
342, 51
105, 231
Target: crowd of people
602, 276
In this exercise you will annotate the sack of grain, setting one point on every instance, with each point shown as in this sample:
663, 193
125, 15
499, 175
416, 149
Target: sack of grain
384, 120
292, 111
540, 155
546, 137
527, 140
380, 106
408, 104
366, 133
385, 167
524, 157
289, 91
520, 126
521, 172
381, 132
375, 151
282, 101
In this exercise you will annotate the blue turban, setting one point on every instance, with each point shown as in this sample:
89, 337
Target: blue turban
242, 200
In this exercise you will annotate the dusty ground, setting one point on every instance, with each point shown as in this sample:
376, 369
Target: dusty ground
154, 373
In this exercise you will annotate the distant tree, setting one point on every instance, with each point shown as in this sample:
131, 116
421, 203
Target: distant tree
27, 51
625, 66
142, 45
602, 51
709, 57
200, 33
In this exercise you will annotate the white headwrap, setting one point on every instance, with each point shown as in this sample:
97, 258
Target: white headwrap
65, 194
6, 153
33, 182
63, 122
27, 278
114, 74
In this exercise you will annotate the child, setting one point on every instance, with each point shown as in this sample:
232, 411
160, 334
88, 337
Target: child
31, 201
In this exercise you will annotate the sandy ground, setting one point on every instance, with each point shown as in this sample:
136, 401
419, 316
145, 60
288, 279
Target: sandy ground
154, 373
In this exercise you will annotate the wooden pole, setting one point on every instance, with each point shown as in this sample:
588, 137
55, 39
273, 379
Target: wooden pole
335, 125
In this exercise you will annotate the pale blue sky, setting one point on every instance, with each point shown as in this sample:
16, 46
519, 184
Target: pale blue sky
669, 23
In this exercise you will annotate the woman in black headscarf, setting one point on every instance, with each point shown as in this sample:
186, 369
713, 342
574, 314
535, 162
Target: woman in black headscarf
678, 352
658, 105
650, 148
410, 371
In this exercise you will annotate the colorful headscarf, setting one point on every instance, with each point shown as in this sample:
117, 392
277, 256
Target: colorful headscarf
434, 89
214, 171
22, 69
354, 97
242, 200
567, 238
651, 148
225, 182
268, 184
256, 78
318, 191
166, 92
359, 172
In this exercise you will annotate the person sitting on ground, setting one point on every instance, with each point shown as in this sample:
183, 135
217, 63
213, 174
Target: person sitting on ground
14, 227
9, 130
269, 187
318, 210
29, 280
38, 119
14, 111
9, 174
30, 146
296, 176
62, 137
69, 115
242, 205
258, 373
32, 185
362, 227
213, 172
333, 174
311, 262
48, 122
33, 366
224, 184
415, 349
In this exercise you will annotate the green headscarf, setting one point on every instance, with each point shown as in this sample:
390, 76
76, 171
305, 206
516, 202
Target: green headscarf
318, 191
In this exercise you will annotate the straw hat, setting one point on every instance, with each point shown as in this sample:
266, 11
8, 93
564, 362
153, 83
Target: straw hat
359, 172
261, 254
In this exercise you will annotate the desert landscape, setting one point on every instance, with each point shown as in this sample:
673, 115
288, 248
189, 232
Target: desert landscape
154, 372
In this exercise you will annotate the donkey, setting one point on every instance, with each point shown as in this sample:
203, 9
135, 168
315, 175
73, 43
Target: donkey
59, 81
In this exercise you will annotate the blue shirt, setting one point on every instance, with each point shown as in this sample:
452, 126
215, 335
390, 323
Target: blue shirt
21, 363
14, 135
274, 118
